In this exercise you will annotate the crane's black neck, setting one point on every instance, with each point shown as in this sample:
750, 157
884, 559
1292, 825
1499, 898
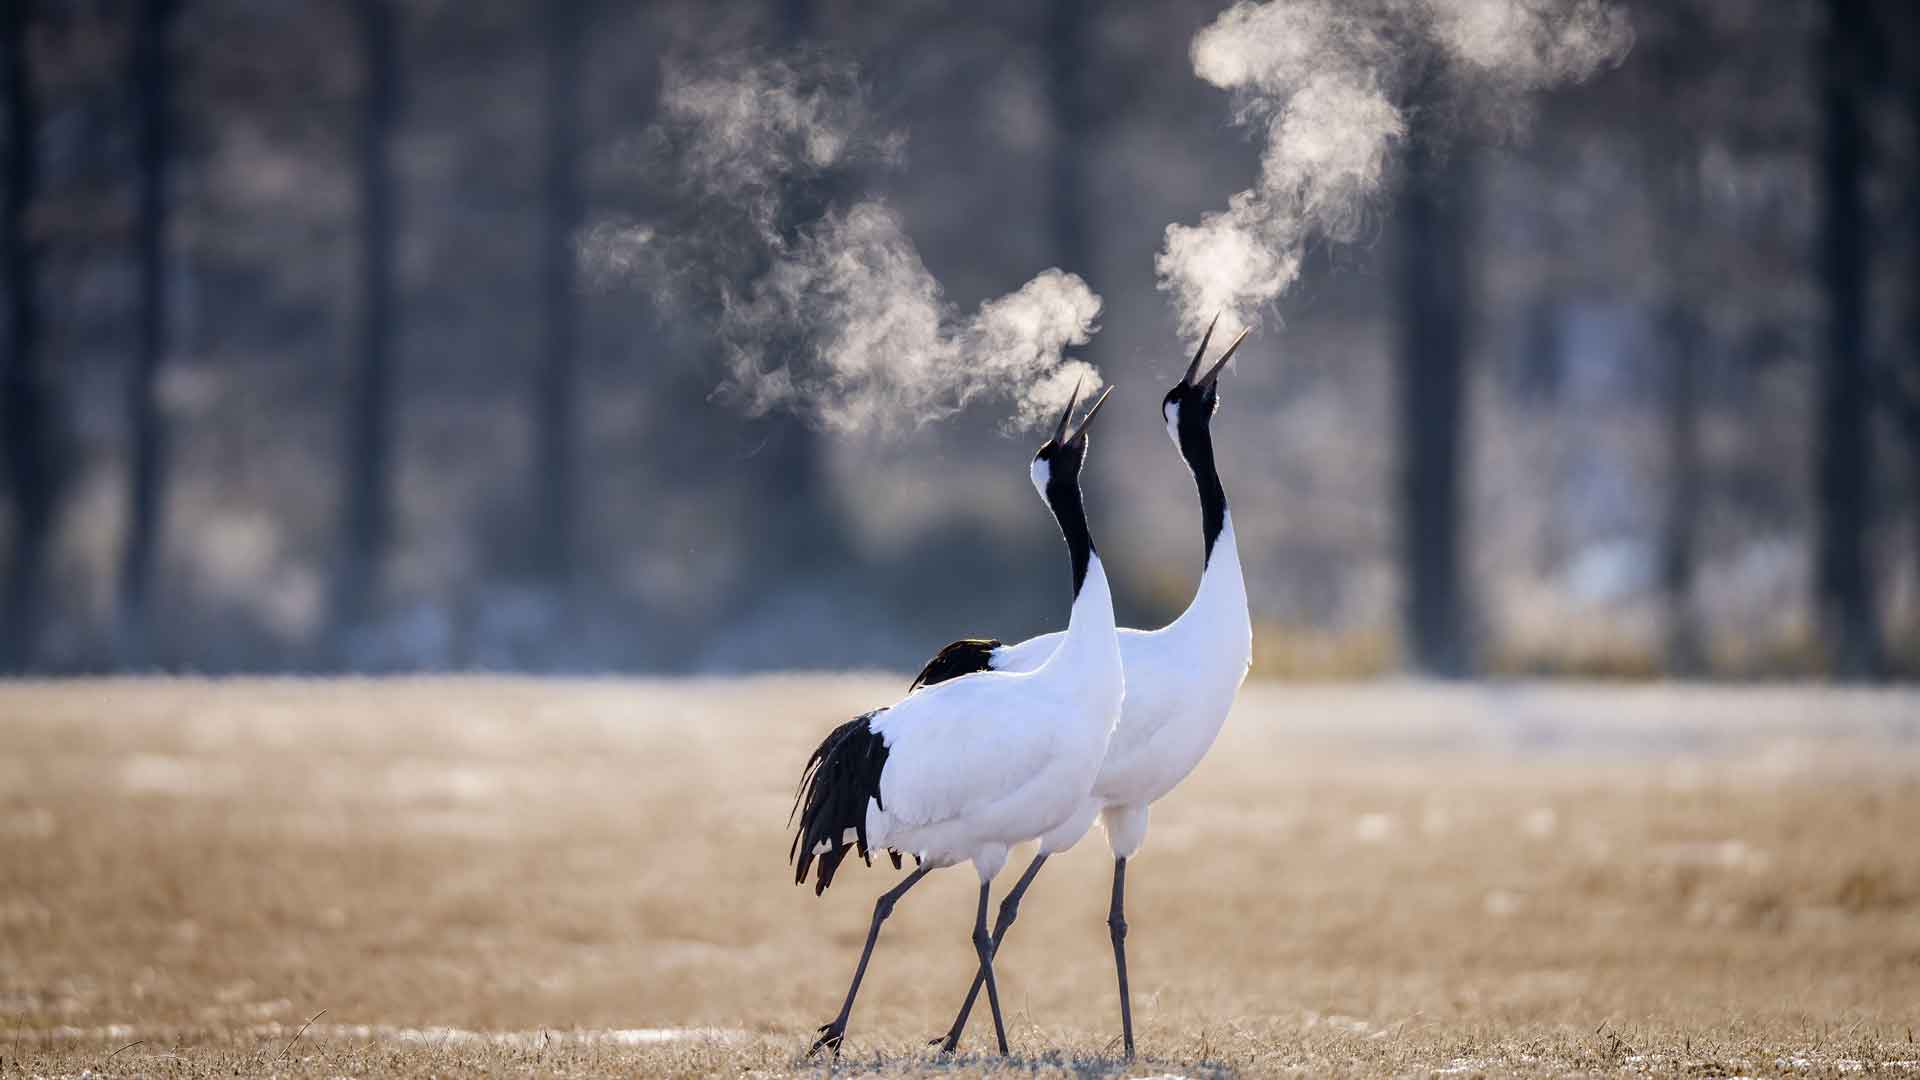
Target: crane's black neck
1063, 497
1196, 446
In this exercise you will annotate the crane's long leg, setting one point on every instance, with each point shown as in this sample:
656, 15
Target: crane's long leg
983, 944
835, 1030
1117, 926
1009, 910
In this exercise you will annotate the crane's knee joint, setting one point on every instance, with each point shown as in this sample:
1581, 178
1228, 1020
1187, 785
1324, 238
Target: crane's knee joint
1118, 927
982, 941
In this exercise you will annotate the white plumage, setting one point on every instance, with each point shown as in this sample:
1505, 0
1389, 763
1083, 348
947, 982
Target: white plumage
1181, 680
962, 771
980, 763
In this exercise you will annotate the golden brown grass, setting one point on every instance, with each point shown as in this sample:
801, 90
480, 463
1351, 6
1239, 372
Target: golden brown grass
1360, 881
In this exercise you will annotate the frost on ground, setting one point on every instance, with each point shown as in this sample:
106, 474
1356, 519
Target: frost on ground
478, 877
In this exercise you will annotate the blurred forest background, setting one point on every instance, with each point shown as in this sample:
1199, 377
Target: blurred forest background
302, 371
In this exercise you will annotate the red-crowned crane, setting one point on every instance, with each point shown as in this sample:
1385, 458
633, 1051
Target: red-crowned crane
1181, 680
962, 771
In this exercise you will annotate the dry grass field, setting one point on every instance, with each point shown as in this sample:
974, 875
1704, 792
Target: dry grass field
504, 877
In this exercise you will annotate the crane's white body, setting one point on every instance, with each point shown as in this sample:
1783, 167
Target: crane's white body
1181, 681
962, 770
978, 764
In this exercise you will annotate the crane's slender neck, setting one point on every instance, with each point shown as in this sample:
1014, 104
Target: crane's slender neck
1063, 498
1091, 638
1090, 626
1091, 642
1219, 605
1196, 446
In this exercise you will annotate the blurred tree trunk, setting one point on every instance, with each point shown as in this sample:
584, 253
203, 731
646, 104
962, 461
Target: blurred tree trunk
555, 475
1435, 229
1903, 369
1672, 163
1849, 625
1680, 536
800, 536
1907, 406
24, 404
368, 510
1909, 390
1067, 58
1072, 59
152, 91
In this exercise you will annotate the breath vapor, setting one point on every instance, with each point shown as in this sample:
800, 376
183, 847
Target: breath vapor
826, 309
1317, 80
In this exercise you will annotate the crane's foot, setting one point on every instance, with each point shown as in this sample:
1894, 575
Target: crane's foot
831, 1034
947, 1043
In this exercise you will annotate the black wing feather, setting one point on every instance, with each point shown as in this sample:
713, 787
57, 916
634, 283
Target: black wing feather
963, 657
842, 774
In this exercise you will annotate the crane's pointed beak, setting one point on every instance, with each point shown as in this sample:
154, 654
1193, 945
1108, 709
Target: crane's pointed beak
1060, 430
1213, 374
1201, 351
1087, 420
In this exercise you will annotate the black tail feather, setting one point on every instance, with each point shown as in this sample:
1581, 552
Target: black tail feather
963, 657
842, 774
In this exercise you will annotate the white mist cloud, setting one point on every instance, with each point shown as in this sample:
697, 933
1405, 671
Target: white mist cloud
747, 131
824, 310
1532, 43
614, 250
1317, 78
884, 347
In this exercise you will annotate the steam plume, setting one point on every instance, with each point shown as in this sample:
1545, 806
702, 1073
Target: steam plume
824, 310
1317, 78
885, 345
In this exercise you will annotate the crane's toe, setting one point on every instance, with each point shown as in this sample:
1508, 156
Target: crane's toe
830, 1035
